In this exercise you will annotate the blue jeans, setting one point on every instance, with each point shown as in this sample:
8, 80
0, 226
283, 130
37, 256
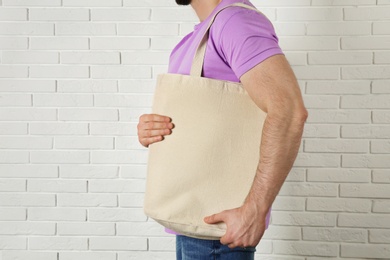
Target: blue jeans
188, 248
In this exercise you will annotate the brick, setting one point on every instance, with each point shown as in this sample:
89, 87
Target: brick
15, 100
30, 28
316, 72
137, 86
317, 159
308, 43
27, 200
139, 100
119, 43
12, 214
63, 255
337, 146
296, 58
120, 14
13, 128
133, 171
365, 72
306, 248
162, 244
87, 114
334, 235
365, 43
46, 71
28, 114
367, 13
164, 43
27, 85
127, 143
282, 233
149, 3
281, 3
366, 161
338, 175
28, 254
319, 101
12, 185
13, 71
59, 157
131, 200
339, 58
58, 128
382, 57
121, 72
13, 243
92, 3
118, 243
27, 228
58, 14
58, 243
343, 116
370, 251
338, 205
116, 186
309, 189
116, 215
145, 58
14, 157
59, 43
379, 146
28, 171
13, 14
32, 3
30, 57
364, 220
133, 114
289, 29
87, 86
119, 129
381, 86
26, 142
90, 143
365, 131
381, 28
88, 171
121, 157
339, 28
381, 206
381, 176
310, 14
13, 43
93, 57
365, 101
56, 186
82, 29
304, 219
321, 131
62, 100
365, 190
148, 29
134, 255
284, 203
86, 229
379, 236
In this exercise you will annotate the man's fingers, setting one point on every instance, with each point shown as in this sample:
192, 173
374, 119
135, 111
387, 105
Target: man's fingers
155, 125
214, 219
154, 117
147, 141
153, 133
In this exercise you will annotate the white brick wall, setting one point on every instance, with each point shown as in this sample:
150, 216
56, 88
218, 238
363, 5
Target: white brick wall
76, 74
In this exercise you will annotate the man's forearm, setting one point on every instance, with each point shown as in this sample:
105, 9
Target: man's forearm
279, 147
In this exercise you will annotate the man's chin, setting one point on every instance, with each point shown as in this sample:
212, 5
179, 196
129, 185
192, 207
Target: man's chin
183, 2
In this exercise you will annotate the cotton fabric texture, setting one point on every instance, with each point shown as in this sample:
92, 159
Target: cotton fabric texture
190, 174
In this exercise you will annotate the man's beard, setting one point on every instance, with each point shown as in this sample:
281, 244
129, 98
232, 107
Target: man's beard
183, 2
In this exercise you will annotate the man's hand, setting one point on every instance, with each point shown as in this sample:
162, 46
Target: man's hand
152, 128
245, 225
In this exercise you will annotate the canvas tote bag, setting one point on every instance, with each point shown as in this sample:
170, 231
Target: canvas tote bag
208, 163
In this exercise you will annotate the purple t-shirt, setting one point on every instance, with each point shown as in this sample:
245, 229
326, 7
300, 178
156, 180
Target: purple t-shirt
239, 39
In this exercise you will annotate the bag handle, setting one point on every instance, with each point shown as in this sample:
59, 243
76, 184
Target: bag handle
197, 62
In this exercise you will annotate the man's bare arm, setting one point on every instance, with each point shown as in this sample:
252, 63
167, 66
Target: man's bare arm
273, 87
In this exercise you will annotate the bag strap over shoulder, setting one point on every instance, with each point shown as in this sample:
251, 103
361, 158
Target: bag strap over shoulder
197, 62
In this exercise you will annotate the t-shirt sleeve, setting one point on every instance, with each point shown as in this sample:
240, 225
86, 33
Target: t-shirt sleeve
244, 39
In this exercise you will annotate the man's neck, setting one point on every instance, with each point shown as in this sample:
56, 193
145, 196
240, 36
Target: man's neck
203, 8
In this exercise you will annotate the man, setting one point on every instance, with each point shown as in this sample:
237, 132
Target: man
242, 47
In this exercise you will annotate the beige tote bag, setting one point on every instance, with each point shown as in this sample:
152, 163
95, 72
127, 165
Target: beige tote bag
208, 163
